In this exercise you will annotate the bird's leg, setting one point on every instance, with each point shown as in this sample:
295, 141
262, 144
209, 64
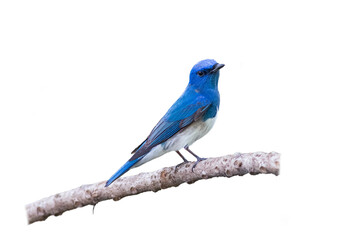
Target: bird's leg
192, 153
183, 158
198, 159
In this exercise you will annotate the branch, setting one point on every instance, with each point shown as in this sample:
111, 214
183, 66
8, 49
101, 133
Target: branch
227, 166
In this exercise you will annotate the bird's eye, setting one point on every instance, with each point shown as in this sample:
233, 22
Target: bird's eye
200, 73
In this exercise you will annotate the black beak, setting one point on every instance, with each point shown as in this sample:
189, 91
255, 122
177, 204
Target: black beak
217, 67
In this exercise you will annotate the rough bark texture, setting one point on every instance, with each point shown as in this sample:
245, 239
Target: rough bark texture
227, 166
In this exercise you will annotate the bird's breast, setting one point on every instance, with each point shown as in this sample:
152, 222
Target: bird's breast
189, 135
181, 139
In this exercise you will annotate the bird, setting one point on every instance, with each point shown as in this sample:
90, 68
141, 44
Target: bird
190, 118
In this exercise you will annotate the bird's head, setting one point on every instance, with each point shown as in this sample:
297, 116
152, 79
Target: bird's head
205, 74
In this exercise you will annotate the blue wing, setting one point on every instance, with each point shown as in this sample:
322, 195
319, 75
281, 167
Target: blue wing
186, 110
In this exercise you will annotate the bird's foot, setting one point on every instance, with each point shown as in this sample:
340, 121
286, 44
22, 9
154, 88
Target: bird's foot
199, 159
185, 161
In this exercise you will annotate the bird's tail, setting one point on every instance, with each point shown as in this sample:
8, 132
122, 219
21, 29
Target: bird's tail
126, 167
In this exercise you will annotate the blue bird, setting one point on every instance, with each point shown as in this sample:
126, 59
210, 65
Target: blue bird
188, 119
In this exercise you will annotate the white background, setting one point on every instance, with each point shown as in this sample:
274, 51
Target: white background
84, 82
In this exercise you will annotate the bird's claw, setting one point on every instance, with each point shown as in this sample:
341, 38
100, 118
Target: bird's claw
185, 161
196, 163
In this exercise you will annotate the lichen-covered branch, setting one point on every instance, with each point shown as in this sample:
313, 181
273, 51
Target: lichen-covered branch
227, 166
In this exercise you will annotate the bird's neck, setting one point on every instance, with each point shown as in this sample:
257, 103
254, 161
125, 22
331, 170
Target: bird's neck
201, 89
207, 82
205, 86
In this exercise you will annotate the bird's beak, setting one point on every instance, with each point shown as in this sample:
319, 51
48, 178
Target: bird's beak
217, 67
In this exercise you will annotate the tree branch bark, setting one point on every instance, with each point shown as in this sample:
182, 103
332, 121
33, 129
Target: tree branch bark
227, 166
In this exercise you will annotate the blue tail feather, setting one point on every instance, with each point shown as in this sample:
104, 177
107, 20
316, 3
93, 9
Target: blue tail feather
126, 167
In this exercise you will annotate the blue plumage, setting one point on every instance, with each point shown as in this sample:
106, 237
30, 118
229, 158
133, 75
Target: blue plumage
188, 119
126, 167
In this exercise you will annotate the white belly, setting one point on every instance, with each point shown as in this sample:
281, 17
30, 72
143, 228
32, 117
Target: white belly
185, 138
